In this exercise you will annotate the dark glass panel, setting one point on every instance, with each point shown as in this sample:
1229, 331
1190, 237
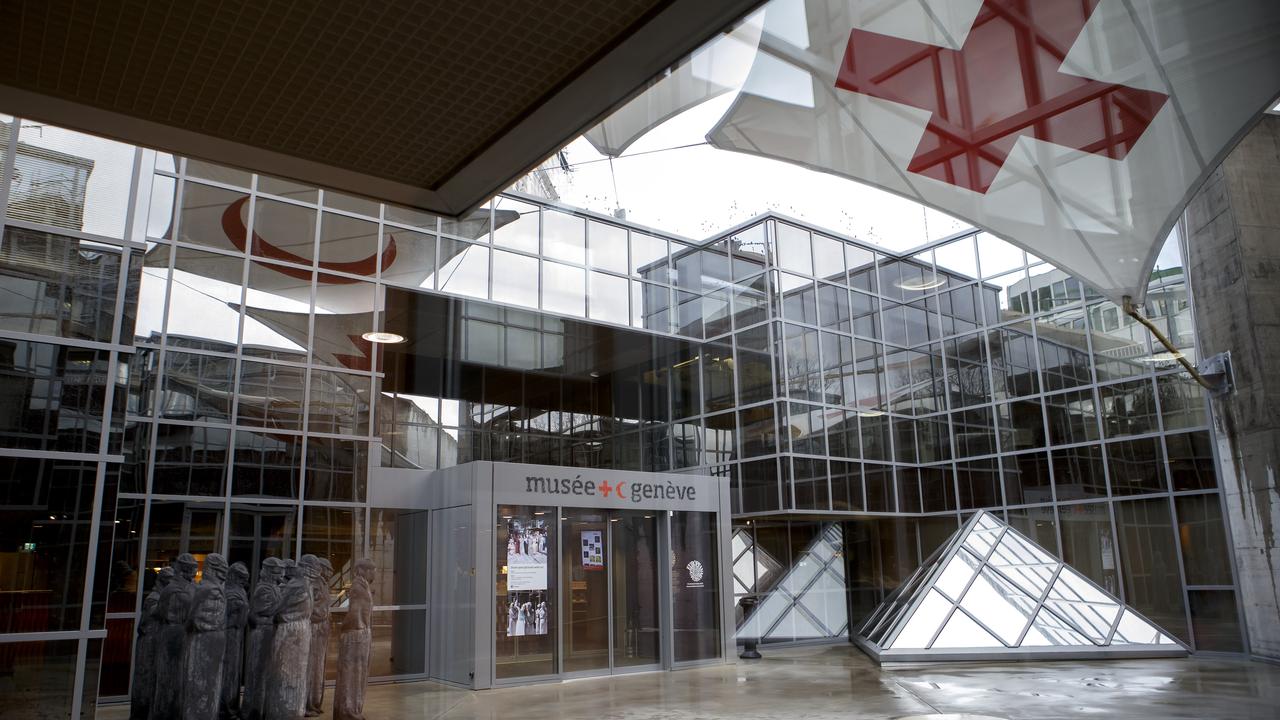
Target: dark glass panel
56, 285
339, 403
974, 432
754, 369
1214, 620
937, 489
760, 430
1128, 408
190, 460
809, 483
397, 542
1088, 545
695, 587
1021, 425
53, 396
338, 535
979, 483
41, 678
1205, 550
1026, 479
270, 395
197, 387
760, 486
262, 531
1181, 402
846, 485
1137, 467
266, 465
879, 484
1191, 462
177, 527
44, 537
1153, 585
337, 470
1073, 417
1078, 473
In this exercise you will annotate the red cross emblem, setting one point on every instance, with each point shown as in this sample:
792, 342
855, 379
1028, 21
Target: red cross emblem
1002, 84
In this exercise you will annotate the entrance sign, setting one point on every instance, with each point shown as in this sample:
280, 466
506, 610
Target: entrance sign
605, 489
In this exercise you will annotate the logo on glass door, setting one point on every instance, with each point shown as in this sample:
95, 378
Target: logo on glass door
696, 572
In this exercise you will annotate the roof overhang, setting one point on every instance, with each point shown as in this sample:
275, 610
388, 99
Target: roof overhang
457, 105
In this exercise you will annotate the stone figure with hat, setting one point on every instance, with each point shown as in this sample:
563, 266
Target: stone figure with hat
206, 643
354, 646
144, 663
173, 607
286, 695
323, 571
259, 641
237, 619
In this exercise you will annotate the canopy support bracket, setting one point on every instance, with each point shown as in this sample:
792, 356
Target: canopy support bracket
1217, 376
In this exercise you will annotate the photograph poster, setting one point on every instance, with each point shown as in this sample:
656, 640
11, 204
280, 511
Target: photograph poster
526, 610
526, 554
592, 550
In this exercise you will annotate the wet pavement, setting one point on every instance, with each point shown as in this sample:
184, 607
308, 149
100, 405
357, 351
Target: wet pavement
818, 683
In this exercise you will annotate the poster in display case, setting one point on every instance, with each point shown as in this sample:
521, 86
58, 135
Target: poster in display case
526, 608
592, 550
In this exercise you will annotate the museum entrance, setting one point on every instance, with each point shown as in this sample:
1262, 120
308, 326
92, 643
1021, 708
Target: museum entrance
555, 573
609, 591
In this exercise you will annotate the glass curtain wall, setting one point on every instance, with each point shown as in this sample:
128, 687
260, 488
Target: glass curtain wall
186, 359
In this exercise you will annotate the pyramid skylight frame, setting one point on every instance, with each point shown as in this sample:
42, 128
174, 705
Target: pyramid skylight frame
991, 593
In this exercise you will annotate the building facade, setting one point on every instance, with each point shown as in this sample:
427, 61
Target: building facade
189, 368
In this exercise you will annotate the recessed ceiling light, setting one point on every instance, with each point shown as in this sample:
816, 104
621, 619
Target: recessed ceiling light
917, 285
383, 338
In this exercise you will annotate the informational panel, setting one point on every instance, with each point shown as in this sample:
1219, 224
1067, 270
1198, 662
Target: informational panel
592, 550
527, 611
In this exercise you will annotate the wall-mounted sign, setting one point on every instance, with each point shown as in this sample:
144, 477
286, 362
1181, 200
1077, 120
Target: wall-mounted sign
583, 487
592, 550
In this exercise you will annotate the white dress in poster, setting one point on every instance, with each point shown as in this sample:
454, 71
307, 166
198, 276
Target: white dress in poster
526, 563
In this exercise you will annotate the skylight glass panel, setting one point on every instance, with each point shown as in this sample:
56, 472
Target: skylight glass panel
994, 591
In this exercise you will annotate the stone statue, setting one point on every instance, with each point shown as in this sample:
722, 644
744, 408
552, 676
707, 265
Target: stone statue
237, 618
173, 608
353, 647
323, 570
263, 605
144, 664
286, 695
206, 643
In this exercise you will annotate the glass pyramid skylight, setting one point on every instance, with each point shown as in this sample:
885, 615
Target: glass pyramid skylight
990, 593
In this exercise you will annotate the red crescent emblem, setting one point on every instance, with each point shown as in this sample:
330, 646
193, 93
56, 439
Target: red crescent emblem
235, 230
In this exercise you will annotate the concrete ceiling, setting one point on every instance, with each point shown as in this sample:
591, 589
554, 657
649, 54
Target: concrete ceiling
436, 105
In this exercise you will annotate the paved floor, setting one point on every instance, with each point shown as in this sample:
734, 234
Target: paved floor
840, 682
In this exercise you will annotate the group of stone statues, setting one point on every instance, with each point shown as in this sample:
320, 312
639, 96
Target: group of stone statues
193, 637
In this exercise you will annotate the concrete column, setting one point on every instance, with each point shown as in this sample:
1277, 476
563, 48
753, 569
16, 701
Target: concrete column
1233, 247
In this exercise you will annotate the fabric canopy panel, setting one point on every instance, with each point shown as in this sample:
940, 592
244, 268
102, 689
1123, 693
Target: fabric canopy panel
991, 593
1076, 129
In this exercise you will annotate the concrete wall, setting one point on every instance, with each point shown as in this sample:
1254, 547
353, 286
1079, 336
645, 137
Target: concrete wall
1233, 232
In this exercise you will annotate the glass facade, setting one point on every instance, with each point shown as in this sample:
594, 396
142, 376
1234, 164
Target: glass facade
186, 369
